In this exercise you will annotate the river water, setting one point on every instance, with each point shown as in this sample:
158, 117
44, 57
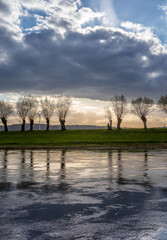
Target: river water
85, 195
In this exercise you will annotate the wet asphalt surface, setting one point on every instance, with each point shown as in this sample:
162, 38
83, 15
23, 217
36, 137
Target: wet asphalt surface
83, 195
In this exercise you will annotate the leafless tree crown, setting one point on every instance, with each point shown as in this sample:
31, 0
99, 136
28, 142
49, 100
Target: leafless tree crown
62, 107
119, 106
32, 107
162, 103
22, 107
6, 109
142, 106
48, 108
108, 113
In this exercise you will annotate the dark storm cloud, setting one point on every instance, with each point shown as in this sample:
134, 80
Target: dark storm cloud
95, 65
7, 43
60, 23
4, 7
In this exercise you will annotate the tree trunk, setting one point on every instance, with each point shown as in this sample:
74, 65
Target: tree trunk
144, 122
47, 124
4, 121
62, 123
23, 125
31, 124
111, 125
119, 123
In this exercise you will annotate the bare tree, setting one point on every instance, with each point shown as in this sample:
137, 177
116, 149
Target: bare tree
6, 109
142, 107
48, 108
162, 103
108, 115
119, 106
62, 107
22, 110
32, 110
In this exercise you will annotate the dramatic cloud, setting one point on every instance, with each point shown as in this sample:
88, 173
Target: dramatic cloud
4, 8
62, 47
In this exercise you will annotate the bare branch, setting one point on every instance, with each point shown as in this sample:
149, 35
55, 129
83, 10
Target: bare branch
141, 107
48, 109
6, 109
22, 110
62, 108
162, 103
32, 107
108, 113
22, 107
119, 106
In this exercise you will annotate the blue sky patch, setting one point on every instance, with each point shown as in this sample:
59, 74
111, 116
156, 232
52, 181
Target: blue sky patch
145, 12
28, 22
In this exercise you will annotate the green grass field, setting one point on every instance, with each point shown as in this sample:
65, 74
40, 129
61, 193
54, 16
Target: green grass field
79, 138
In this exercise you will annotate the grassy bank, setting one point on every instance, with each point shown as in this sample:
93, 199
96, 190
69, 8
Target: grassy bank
150, 138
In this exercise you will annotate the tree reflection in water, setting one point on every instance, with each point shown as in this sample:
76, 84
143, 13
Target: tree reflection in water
5, 158
5, 184
26, 172
147, 181
110, 166
26, 176
31, 159
84, 194
122, 180
63, 185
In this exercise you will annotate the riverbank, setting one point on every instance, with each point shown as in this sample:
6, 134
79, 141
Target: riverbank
77, 139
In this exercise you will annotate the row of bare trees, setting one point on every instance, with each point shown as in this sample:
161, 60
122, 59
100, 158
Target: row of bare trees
29, 108
140, 107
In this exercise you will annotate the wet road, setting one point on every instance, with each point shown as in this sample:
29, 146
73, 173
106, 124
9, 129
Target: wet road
83, 195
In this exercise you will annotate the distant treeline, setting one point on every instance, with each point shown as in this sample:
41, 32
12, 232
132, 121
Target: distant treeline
29, 108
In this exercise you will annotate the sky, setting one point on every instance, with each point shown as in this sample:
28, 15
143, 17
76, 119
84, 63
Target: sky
89, 49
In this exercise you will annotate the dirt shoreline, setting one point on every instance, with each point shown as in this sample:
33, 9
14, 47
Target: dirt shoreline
135, 146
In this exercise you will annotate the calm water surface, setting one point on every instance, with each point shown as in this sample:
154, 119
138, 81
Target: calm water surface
83, 195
